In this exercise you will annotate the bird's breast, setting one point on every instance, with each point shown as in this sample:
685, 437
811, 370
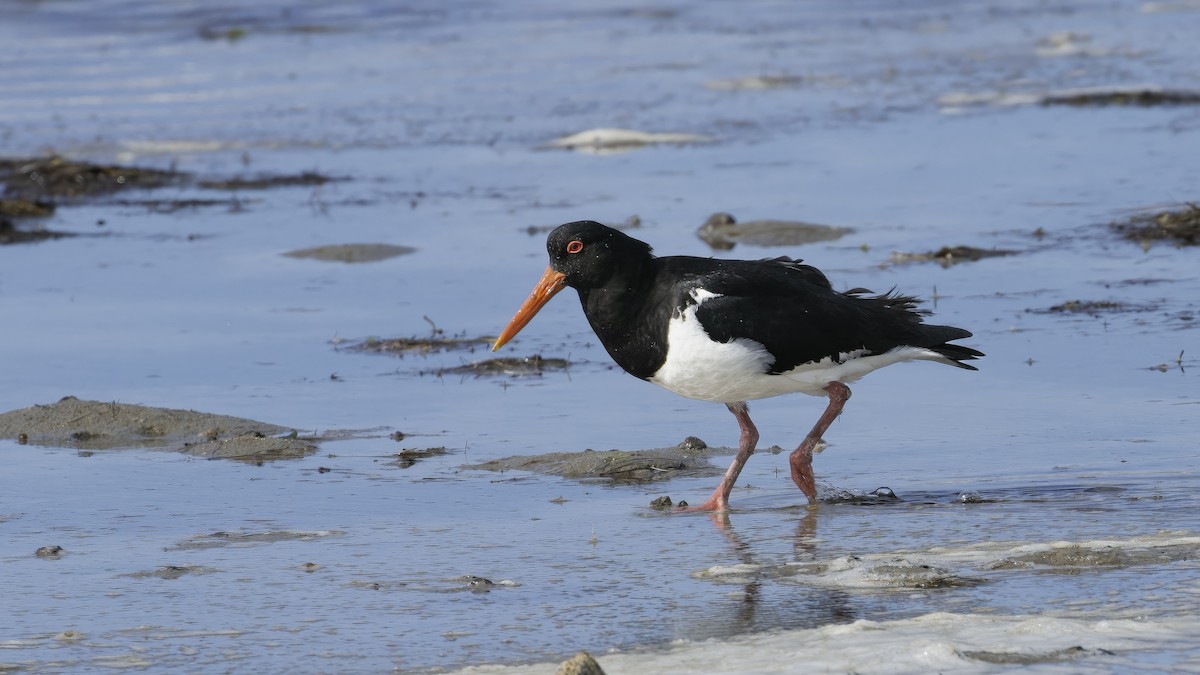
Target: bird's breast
698, 367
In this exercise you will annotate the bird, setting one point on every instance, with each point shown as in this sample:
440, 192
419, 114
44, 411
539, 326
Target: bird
733, 331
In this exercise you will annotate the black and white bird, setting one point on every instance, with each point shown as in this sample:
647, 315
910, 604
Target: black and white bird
732, 331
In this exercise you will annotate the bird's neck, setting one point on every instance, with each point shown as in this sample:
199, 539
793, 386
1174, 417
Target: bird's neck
618, 311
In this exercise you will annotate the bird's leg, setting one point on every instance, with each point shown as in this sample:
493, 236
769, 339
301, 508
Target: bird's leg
719, 501
801, 459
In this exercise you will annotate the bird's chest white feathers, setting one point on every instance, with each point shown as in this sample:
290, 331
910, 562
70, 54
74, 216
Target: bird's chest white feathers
701, 368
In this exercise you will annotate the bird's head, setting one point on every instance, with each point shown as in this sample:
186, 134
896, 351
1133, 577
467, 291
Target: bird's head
583, 255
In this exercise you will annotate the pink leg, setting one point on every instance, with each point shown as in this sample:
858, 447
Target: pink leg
719, 501
801, 459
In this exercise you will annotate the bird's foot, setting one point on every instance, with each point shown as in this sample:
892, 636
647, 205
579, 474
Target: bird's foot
715, 504
802, 472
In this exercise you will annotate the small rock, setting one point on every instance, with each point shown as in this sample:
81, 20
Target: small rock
478, 583
49, 552
663, 502
580, 664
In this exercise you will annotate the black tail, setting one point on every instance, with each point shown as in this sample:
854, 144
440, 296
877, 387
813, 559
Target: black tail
939, 338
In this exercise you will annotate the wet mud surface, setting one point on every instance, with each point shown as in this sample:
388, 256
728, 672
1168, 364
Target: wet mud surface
352, 253
99, 425
722, 232
951, 255
1179, 226
688, 459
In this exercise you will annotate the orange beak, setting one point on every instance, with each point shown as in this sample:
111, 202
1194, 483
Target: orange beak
551, 282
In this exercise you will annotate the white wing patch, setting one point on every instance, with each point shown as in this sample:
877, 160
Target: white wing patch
700, 368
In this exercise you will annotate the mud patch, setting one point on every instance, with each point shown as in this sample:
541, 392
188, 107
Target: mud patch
98, 425
253, 447
722, 232
54, 176
1072, 559
688, 459
1028, 659
172, 572
950, 255
352, 253
33, 186
897, 573
1180, 226
516, 366
238, 539
25, 208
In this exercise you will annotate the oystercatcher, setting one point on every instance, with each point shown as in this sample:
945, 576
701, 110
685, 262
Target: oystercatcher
732, 331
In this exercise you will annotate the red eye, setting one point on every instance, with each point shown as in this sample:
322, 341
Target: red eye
575, 246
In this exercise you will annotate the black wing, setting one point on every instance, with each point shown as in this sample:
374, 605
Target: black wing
793, 311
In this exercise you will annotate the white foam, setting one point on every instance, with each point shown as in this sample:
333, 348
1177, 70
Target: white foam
941, 641
937, 642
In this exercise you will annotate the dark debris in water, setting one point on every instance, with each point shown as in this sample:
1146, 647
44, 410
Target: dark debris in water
1144, 97
232, 205
33, 187
878, 496
55, 176
1090, 307
10, 234
26, 208
951, 255
403, 346
410, 456
514, 366
265, 182
1181, 226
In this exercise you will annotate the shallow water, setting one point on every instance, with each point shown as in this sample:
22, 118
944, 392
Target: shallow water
437, 116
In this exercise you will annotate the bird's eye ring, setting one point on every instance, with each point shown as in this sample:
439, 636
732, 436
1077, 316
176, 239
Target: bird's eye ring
575, 246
